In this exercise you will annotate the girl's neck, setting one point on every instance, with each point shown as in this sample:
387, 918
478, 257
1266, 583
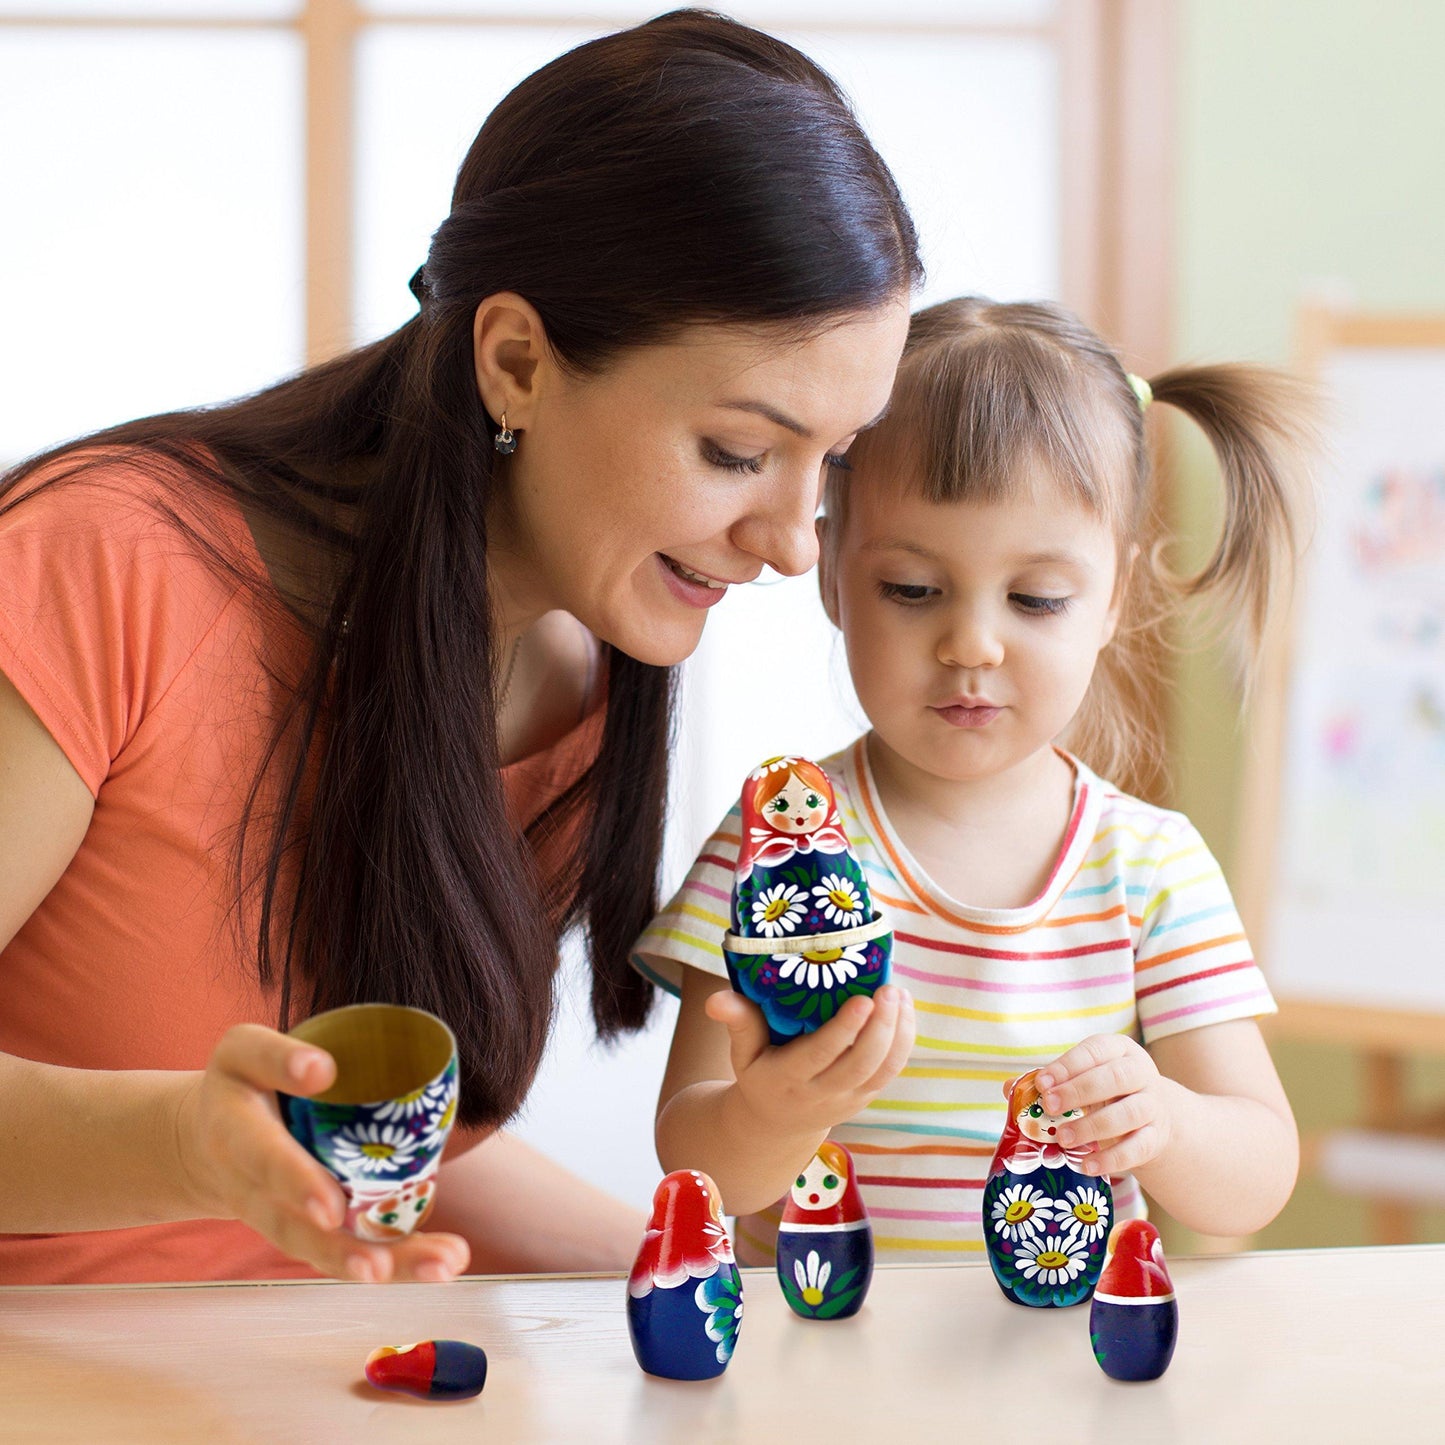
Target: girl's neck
990, 841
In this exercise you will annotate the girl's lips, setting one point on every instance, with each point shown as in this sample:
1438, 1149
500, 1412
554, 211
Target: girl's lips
960, 716
695, 594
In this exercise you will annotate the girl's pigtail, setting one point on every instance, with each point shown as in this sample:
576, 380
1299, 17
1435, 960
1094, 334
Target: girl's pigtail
1261, 424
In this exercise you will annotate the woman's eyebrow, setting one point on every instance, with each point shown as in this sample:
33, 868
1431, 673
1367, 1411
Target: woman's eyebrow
782, 419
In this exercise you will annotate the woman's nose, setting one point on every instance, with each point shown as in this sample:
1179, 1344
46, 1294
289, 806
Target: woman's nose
779, 529
970, 641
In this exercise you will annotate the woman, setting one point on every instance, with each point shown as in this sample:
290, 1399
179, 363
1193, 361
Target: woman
358, 689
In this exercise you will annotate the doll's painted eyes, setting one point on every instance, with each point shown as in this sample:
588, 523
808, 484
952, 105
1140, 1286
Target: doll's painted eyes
813, 801
1072, 1113
779, 805
802, 1182
1036, 1111
390, 1217
830, 1181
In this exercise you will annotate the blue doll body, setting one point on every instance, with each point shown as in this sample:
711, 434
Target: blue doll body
825, 1241
804, 935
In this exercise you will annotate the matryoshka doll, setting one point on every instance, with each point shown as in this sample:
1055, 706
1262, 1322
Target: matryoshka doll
1045, 1221
389, 1213
804, 937
684, 1295
1134, 1320
825, 1243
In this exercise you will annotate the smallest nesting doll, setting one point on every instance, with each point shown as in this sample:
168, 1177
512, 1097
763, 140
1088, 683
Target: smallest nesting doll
825, 1242
1134, 1319
684, 1295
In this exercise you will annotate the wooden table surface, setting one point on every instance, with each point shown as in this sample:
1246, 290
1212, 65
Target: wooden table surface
1301, 1346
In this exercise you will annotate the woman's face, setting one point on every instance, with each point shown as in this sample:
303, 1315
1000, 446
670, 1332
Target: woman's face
639, 495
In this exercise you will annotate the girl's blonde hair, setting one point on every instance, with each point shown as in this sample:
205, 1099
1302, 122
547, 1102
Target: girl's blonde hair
988, 391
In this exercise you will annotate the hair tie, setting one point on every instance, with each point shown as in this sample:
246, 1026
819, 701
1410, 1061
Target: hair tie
1141, 389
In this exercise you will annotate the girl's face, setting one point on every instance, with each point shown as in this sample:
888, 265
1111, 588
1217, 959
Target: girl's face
797, 808
972, 629
637, 496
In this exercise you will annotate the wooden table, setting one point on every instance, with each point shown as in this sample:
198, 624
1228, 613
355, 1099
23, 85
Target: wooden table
1307, 1345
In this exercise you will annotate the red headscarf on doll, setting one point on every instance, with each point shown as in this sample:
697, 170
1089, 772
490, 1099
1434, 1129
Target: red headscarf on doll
1018, 1153
767, 846
845, 1208
685, 1238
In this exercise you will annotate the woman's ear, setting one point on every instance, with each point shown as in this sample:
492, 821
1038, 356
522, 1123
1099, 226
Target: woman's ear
827, 573
510, 355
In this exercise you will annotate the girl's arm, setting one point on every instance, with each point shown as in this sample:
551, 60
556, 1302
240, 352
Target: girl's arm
523, 1213
103, 1149
751, 1115
1200, 1118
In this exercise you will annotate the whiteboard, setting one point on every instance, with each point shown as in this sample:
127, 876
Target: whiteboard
1357, 914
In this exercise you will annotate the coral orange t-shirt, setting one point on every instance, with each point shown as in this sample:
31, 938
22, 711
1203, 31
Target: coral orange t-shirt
156, 674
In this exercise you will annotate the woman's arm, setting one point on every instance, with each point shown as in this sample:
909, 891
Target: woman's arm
101, 1149
750, 1114
523, 1213
1200, 1118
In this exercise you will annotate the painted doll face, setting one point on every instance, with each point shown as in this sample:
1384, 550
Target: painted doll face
818, 1186
797, 809
1035, 1122
398, 1212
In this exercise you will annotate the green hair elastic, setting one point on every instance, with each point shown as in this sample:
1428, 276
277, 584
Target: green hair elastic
1141, 389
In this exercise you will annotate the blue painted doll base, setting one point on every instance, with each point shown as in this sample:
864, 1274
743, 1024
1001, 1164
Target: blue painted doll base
687, 1333
1052, 1265
814, 987
1133, 1341
825, 1274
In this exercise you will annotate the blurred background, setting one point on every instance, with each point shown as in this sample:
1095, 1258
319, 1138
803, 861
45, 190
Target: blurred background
198, 196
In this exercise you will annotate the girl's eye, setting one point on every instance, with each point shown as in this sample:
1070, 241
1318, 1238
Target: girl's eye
715, 456
1040, 606
907, 593
1036, 1111
830, 1181
837, 462
814, 801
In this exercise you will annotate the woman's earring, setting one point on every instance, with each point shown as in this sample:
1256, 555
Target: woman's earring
505, 440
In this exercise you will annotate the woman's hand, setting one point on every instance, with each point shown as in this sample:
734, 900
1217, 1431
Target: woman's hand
819, 1079
239, 1162
1127, 1102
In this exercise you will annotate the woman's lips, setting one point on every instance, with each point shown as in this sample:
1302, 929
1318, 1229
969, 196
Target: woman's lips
966, 715
686, 589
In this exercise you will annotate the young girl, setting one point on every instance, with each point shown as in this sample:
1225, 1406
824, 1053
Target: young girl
986, 563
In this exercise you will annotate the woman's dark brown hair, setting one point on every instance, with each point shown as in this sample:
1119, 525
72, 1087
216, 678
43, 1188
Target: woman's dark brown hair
688, 170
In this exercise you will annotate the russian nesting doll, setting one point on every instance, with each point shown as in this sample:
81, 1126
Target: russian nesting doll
825, 1243
684, 1296
1134, 1320
805, 936
1045, 1222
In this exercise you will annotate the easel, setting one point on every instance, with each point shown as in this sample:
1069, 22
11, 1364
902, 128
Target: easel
1386, 1038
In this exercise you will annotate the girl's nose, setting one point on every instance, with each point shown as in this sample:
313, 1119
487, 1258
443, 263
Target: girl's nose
970, 641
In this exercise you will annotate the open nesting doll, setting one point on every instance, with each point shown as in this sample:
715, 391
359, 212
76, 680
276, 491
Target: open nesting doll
1046, 1223
684, 1295
805, 937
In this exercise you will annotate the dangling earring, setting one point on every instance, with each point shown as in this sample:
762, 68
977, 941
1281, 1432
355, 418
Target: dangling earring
505, 441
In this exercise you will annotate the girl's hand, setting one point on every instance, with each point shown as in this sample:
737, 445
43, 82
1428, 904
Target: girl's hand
1128, 1113
238, 1162
819, 1079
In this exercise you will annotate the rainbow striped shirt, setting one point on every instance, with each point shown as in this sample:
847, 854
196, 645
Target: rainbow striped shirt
1134, 933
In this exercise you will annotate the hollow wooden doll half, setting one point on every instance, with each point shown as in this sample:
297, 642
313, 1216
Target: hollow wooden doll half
1134, 1319
825, 1242
684, 1295
805, 937
1045, 1222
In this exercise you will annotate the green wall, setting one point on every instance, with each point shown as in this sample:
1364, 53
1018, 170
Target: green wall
1311, 162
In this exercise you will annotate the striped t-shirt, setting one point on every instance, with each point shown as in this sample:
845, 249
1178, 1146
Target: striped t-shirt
1134, 933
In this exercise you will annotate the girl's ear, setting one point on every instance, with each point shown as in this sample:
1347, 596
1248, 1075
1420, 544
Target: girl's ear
510, 356
1121, 590
827, 573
